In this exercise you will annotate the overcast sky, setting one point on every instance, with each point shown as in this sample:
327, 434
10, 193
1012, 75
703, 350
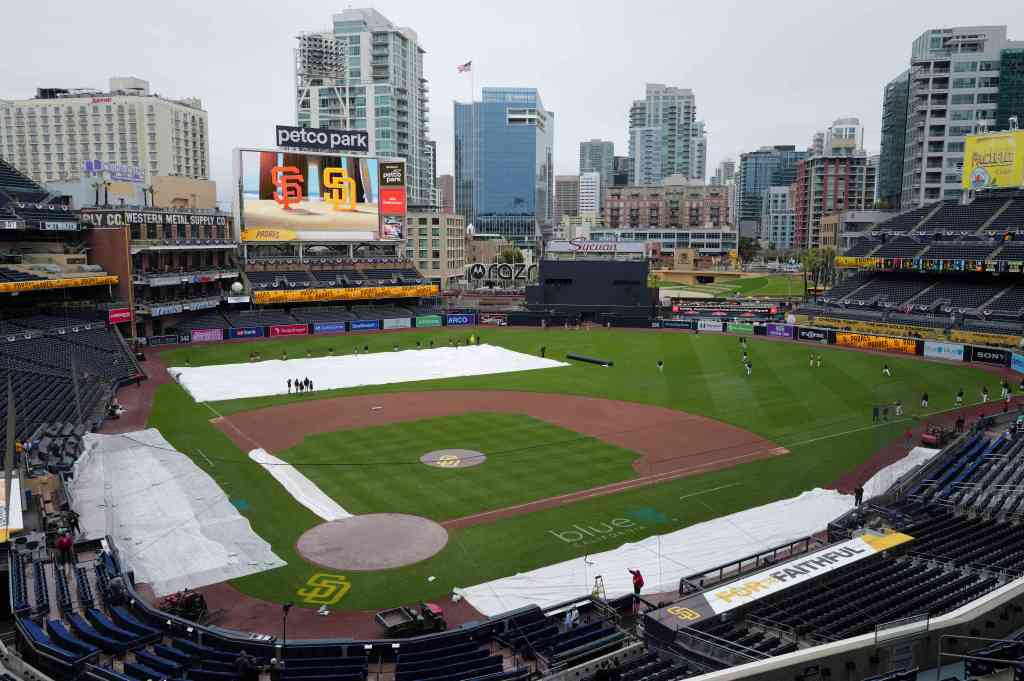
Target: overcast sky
762, 72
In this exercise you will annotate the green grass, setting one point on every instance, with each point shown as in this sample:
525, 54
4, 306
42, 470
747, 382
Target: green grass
822, 415
527, 460
773, 286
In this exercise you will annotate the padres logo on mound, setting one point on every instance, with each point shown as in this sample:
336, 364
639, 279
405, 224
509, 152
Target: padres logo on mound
449, 461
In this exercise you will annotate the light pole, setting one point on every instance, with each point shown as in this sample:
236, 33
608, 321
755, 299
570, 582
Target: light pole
284, 626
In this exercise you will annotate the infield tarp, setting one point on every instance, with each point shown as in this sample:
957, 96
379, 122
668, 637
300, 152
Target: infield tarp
664, 559
890, 475
302, 489
173, 524
255, 379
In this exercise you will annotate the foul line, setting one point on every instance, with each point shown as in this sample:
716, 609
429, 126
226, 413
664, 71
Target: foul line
709, 491
227, 420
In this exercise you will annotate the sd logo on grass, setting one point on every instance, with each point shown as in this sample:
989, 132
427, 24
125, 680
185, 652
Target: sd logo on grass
324, 588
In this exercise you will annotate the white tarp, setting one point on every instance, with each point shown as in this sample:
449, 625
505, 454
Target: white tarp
887, 477
664, 559
255, 379
304, 490
172, 523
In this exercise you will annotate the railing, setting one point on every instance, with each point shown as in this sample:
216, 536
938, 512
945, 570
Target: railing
700, 581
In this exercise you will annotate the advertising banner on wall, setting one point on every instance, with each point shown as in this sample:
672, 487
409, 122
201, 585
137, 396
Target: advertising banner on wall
121, 314
362, 293
994, 161
428, 320
171, 339
397, 323
1017, 363
329, 327
866, 341
364, 325
990, 356
805, 333
313, 196
780, 331
248, 332
676, 324
494, 318
709, 325
741, 327
207, 335
289, 330
937, 350
460, 319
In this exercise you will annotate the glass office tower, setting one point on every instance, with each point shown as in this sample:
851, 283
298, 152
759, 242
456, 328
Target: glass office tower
504, 168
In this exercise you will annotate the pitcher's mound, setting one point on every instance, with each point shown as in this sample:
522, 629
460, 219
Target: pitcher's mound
376, 541
453, 458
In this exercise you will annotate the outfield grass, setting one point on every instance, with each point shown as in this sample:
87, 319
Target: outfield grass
822, 415
772, 286
527, 459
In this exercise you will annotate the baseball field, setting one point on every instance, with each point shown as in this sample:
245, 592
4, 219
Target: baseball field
564, 447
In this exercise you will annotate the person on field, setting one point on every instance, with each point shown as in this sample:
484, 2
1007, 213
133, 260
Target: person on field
984, 393
661, 367
960, 398
886, 371
289, 386
745, 357
924, 400
750, 368
811, 361
874, 414
858, 495
638, 581
899, 408
819, 360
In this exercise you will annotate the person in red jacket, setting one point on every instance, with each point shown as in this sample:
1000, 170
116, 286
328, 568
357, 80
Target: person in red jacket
64, 543
638, 581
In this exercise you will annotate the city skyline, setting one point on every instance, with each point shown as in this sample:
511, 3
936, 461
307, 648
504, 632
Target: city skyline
768, 92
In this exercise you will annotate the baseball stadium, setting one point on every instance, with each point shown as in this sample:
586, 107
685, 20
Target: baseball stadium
337, 472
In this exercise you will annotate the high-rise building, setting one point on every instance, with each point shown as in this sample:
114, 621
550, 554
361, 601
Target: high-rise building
1011, 88
671, 205
436, 242
621, 171
504, 162
699, 153
838, 178
589, 194
955, 89
51, 136
779, 215
767, 167
672, 111
367, 74
567, 196
645, 151
431, 150
598, 156
446, 193
894, 132
725, 172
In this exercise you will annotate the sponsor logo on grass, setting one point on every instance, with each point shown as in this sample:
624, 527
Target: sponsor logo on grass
648, 515
323, 588
593, 533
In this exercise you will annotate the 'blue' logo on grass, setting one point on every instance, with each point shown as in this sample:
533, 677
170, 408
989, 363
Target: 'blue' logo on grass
647, 514
240, 504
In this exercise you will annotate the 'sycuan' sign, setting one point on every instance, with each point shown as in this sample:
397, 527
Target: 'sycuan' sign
322, 139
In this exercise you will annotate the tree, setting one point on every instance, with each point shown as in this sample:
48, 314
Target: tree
749, 248
510, 254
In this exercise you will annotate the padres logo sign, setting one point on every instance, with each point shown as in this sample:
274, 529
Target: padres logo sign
449, 461
324, 589
684, 613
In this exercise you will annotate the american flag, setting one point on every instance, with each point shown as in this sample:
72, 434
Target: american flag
468, 66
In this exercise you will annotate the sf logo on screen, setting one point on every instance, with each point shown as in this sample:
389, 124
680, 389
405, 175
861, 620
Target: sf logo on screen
288, 180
